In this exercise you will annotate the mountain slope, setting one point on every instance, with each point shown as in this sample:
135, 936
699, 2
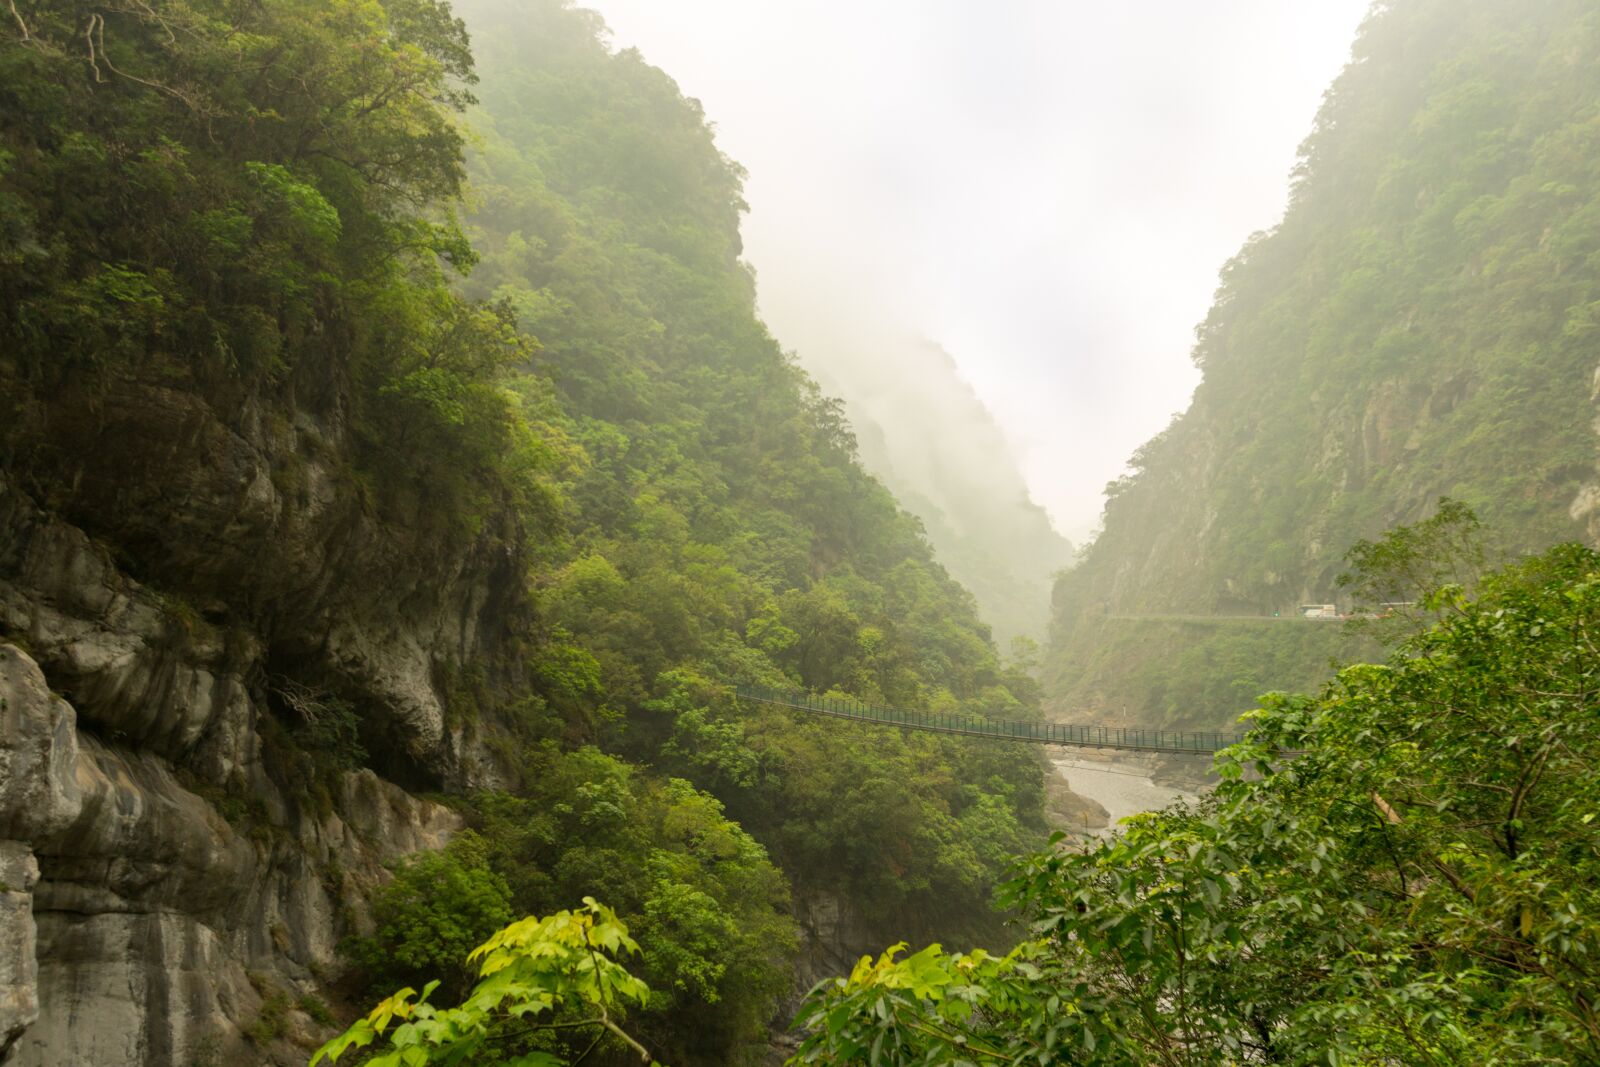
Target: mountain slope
1422, 323
716, 525
316, 501
928, 436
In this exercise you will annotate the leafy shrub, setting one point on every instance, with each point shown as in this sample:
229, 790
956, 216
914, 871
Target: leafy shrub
1419, 883
439, 905
543, 986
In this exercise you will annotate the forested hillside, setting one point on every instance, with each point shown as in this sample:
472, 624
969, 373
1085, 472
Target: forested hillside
385, 416
717, 527
1416, 884
929, 437
1421, 324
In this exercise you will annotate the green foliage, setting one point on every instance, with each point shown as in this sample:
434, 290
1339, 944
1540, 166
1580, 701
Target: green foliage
272, 1021
708, 906
1196, 674
308, 748
1418, 884
1210, 671
316, 1009
715, 525
237, 200
195, 148
254, 209
437, 907
1409, 565
1420, 325
333, 738
543, 986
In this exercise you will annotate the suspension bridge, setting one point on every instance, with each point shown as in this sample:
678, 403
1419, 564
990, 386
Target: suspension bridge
1043, 733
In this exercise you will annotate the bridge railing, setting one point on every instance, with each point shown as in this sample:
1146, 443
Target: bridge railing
1045, 733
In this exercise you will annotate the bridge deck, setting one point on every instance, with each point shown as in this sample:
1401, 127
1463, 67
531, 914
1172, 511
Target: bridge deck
1044, 733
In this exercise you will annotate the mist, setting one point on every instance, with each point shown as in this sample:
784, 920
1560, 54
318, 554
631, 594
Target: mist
927, 435
1043, 190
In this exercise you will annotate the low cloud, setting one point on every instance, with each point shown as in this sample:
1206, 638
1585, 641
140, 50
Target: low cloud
1045, 189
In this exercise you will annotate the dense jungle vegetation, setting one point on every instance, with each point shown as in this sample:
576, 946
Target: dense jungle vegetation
1421, 324
510, 261
506, 259
1401, 869
1416, 885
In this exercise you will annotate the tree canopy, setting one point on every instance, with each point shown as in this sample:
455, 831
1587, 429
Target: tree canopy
1402, 869
1420, 324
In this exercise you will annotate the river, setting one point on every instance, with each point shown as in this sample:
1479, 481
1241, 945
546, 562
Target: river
1122, 786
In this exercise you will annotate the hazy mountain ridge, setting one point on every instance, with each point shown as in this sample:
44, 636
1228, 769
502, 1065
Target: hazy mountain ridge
1422, 323
927, 434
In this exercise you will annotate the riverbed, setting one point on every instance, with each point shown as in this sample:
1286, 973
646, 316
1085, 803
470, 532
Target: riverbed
1122, 786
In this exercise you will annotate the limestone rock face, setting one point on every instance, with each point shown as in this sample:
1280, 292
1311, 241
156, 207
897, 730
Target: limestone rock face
172, 862
39, 790
39, 796
834, 938
19, 963
137, 926
257, 539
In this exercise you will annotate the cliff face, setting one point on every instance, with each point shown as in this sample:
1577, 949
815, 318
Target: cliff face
227, 643
1420, 324
178, 866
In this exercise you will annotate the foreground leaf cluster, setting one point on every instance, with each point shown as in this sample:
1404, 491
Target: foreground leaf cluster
1419, 883
537, 978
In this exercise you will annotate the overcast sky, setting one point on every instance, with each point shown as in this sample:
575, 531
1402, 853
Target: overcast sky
1046, 188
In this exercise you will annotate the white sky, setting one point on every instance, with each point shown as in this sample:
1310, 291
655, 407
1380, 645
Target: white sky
1046, 188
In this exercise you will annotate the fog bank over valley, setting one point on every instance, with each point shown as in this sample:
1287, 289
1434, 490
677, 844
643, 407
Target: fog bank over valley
1046, 190
926, 433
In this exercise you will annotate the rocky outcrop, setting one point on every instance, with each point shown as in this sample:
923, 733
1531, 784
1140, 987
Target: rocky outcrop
39, 796
141, 926
19, 961
248, 524
834, 937
176, 867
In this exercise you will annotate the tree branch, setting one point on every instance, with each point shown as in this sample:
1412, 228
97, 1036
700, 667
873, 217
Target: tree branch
1525, 785
644, 1053
88, 36
585, 1053
27, 38
97, 28
1451, 876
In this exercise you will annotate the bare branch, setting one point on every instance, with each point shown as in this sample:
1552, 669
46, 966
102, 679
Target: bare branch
97, 25
88, 36
27, 38
309, 703
644, 1053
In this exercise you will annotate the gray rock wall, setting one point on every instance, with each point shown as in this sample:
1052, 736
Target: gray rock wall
171, 883
138, 926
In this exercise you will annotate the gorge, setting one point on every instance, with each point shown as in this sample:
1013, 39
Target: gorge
398, 489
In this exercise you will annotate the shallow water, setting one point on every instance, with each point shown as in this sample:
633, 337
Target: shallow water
1123, 788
